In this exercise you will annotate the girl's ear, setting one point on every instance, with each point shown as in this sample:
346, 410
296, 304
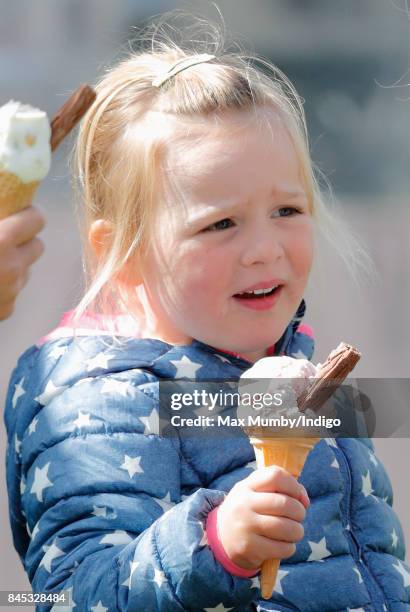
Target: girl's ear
100, 236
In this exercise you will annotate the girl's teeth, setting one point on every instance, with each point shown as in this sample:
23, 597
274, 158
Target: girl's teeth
261, 291
258, 291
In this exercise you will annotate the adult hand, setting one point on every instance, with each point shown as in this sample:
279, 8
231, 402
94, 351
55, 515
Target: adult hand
19, 249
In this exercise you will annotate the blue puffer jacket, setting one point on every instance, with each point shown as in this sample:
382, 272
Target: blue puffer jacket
115, 514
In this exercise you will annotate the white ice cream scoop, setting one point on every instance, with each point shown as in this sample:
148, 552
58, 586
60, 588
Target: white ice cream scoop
295, 370
24, 142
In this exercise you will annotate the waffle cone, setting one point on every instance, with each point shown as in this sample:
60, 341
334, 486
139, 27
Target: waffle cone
289, 453
14, 194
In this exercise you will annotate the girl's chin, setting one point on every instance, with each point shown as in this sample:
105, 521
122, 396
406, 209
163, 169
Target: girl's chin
252, 353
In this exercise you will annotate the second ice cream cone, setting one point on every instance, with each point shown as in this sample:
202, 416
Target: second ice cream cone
26, 142
291, 454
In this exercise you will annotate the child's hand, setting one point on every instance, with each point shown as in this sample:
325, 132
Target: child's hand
261, 517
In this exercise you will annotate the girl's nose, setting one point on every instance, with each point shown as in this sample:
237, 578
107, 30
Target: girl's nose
262, 245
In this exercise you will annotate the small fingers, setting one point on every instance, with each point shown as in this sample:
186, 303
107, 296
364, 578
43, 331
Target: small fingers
279, 528
276, 479
278, 504
22, 226
271, 549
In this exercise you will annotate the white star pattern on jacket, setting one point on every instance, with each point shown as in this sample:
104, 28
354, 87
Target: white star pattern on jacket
255, 583
49, 393
185, 368
35, 530
367, 485
373, 459
17, 444
116, 386
58, 351
83, 420
356, 569
99, 362
150, 422
133, 567
18, 392
41, 481
278, 584
99, 511
159, 577
219, 608
319, 550
32, 426
52, 552
116, 538
99, 607
298, 355
394, 538
132, 465
121, 418
165, 502
403, 572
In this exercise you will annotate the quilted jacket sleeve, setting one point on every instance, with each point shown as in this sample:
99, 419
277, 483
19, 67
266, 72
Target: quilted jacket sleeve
95, 500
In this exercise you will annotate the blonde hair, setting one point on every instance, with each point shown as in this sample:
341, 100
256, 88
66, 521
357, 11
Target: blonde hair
122, 137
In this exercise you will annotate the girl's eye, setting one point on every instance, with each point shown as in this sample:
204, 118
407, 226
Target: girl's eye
219, 225
287, 211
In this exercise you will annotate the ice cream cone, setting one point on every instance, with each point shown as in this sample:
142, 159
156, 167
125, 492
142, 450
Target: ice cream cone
289, 453
299, 396
26, 142
14, 194
25, 155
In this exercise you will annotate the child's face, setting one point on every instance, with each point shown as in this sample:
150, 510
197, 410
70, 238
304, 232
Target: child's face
237, 216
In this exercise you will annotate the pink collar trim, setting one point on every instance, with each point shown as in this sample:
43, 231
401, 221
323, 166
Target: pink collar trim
92, 324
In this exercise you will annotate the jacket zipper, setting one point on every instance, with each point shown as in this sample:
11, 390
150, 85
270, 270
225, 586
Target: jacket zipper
375, 590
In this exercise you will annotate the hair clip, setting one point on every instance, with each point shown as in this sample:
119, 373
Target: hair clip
180, 65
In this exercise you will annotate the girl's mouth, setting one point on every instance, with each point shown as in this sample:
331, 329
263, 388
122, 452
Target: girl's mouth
259, 300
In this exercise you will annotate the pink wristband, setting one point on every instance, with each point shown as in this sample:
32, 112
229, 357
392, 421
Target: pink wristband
218, 550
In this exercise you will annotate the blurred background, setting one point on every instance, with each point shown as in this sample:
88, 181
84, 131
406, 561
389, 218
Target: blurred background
350, 61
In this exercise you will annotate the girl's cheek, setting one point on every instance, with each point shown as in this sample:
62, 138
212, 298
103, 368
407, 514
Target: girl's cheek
303, 246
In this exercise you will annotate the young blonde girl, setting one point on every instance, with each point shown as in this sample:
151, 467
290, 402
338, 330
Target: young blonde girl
198, 190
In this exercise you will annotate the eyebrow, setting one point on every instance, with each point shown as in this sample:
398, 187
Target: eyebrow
209, 211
